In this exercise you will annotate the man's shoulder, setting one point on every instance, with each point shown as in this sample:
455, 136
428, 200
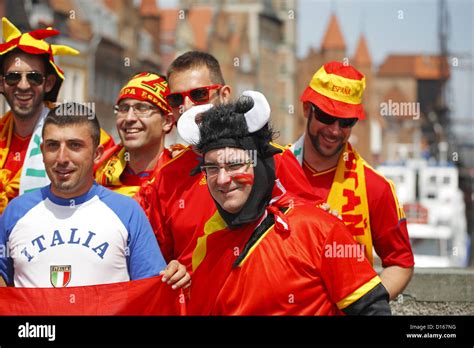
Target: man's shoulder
313, 225
115, 151
116, 200
313, 215
4, 119
28, 198
18, 207
375, 179
180, 165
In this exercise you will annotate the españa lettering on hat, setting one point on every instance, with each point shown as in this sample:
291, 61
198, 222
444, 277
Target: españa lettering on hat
337, 89
34, 43
148, 87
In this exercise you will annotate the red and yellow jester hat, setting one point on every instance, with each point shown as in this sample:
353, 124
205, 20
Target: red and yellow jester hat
33, 43
148, 87
337, 89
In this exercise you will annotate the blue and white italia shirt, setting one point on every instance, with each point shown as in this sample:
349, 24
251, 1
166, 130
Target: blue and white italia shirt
98, 238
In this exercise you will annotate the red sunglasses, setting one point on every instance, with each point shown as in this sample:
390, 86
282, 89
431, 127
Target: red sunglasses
200, 95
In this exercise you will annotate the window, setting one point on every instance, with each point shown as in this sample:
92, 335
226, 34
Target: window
426, 246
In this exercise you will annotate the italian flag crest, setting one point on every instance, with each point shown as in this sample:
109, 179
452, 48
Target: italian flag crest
60, 276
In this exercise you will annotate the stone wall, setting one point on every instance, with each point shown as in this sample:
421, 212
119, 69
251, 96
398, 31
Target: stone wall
437, 291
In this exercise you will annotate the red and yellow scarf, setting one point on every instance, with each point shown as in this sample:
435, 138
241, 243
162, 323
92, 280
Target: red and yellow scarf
9, 186
348, 196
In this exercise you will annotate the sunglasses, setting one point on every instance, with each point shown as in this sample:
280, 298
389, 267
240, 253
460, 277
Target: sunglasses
34, 78
328, 119
198, 96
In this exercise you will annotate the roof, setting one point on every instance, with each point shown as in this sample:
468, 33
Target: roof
112, 5
362, 55
149, 8
200, 20
395, 95
80, 30
333, 39
169, 19
62, 6
421, 67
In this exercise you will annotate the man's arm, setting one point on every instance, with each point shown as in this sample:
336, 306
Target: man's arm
350, 280
6, 263
389, 234
395, 279
144, 257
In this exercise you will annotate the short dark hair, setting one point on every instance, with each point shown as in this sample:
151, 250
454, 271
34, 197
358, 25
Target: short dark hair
195, 59
74, 113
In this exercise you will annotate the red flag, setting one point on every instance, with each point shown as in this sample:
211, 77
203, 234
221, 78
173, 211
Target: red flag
139, 297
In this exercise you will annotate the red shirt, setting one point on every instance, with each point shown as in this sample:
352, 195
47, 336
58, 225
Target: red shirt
130, 178
179, 202
389, 234
288, 273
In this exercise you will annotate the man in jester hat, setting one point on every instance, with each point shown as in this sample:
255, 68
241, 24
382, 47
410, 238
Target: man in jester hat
366, 200
30, 81
267, 251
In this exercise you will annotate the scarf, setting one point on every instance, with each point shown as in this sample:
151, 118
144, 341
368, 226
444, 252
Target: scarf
348, 183
32, 175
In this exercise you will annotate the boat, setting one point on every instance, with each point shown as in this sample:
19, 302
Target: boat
435, 211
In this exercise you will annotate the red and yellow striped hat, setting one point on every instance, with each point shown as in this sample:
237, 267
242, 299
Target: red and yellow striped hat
33, 43
148, 87
337, 90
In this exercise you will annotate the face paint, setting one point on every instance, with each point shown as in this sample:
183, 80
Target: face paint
243, 178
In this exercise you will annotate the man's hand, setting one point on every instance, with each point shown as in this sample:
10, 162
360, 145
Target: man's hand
175, 275
327, 207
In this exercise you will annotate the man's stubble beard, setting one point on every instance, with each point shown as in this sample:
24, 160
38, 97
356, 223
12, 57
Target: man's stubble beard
317, 145
26, 115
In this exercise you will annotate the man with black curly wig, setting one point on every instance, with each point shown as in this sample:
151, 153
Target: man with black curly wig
267, 252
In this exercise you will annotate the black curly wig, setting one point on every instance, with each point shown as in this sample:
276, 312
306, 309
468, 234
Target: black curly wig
225, 126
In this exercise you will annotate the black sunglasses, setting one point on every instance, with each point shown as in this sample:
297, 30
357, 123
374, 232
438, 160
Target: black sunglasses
34, 78
200, 95
328, 119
